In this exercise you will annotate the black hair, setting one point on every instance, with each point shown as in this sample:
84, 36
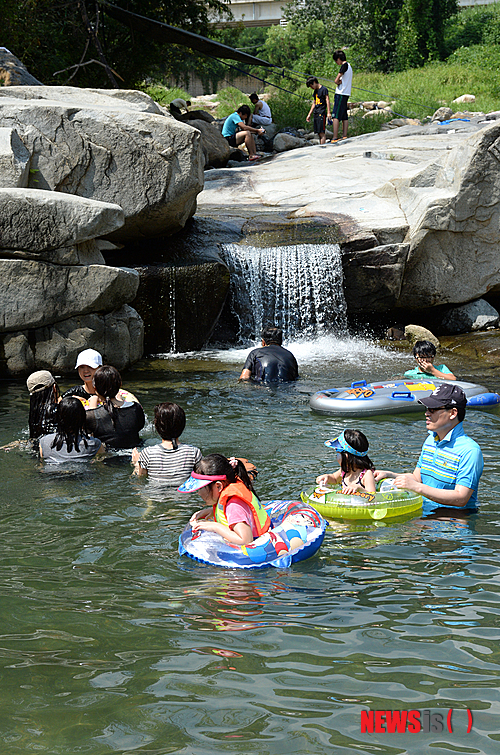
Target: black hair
424, 349
311, 80
460, 411
217, 464
253, 96
244, 109
42, 415
107, 382
169, 421
339, 55
270, 334
70, 417
350, 462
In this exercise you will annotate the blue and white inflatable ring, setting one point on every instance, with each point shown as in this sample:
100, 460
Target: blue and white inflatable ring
296, 534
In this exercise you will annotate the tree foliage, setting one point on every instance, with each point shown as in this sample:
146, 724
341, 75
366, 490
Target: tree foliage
51, 35
380, 34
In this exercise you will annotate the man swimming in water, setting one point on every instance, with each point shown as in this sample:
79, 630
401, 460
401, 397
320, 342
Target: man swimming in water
270, 363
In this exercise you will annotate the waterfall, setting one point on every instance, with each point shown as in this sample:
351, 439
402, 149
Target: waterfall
297, 287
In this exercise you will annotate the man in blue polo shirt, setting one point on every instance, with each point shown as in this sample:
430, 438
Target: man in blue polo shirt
450, 463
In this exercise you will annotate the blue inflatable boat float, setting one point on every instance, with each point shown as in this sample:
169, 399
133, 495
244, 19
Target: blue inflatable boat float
296, 534
364, 399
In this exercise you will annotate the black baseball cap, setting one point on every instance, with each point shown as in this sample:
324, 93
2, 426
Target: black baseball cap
447, 394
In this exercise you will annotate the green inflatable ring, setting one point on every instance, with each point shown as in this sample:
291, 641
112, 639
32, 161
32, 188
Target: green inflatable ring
333, 504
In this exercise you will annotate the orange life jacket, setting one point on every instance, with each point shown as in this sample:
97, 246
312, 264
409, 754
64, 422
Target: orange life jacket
239, 490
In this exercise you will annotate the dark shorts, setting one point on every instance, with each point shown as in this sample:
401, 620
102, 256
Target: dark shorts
319, 123
340, 107
231, 140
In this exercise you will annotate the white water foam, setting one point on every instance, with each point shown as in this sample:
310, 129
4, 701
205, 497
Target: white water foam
307, 351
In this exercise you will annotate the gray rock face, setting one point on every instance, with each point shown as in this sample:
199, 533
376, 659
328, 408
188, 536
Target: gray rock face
476, 315
434, 189
442, 114
33, 294
284, 142
13, 72
14, 159
180, 304
38, 221
215, 148
372, 278
414, 333
114, 148
118, 335
86, 253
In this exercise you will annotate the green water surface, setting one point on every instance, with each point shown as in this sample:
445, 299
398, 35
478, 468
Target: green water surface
112, 643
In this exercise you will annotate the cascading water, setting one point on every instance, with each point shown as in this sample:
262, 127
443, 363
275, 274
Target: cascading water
297, 287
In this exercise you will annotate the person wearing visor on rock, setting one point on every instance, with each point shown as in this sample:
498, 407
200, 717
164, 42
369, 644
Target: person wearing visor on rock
233, 510
356, 467
450, 463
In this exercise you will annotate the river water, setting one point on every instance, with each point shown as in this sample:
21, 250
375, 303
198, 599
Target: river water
111, 643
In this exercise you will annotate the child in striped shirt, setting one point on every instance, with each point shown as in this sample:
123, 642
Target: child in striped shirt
169, 461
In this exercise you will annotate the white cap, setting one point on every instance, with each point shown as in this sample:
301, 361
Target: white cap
89, 357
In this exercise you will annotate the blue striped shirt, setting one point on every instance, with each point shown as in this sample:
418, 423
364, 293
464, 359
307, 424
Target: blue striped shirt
455, 460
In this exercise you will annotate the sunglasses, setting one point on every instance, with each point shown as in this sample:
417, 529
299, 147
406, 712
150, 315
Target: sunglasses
437, 409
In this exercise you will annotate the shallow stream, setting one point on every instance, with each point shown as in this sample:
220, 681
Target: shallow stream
110, 643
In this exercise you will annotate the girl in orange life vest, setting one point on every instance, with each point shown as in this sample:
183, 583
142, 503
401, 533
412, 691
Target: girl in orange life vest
233, 510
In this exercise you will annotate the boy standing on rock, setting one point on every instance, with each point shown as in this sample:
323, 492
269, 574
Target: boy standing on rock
321, 107
343, 81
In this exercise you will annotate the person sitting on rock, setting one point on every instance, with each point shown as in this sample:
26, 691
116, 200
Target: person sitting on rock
425, 352
261, 115
270, 363
178, 105
234, 138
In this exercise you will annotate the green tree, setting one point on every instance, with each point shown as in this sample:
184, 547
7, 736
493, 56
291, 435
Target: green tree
421, 31
52, 35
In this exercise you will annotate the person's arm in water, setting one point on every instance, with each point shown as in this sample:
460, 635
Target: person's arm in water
459, 496
245, 375
138, 470
427, 366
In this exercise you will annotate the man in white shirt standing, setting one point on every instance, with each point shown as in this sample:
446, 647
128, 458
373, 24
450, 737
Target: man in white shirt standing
261, 111
342, 92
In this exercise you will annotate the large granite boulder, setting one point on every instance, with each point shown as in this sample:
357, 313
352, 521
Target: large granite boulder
475, 315
118, 336
453, 209
14, 159
215, 148
57, 295
34, 293
113, 147
418, 209
38, 221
